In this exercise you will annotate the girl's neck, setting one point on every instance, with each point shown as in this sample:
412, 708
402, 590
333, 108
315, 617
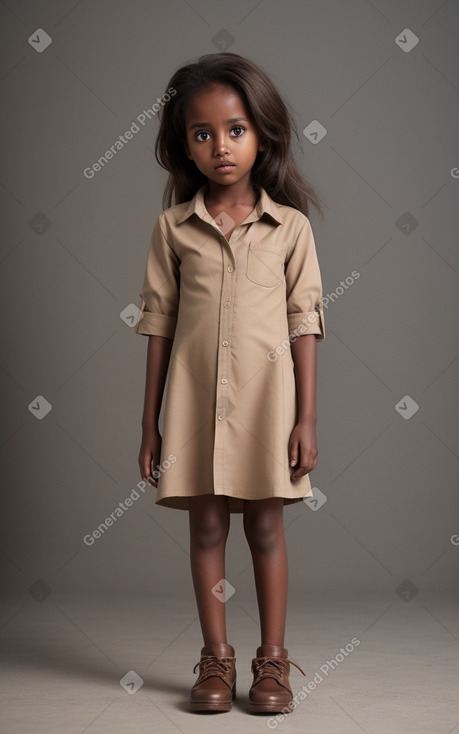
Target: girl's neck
241, 194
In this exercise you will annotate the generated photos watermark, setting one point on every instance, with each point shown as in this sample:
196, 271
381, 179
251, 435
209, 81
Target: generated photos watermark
303, 327
128, 135
124, 505
328, 667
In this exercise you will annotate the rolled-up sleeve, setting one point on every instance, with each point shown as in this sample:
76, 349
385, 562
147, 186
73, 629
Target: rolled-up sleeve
161, 287
304, 286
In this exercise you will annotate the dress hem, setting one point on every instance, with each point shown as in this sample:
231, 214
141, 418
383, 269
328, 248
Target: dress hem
235, 504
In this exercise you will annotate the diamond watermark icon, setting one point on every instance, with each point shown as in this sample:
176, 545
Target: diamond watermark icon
223, 40
407, 407
130, 315
316, 501
314, 132
39, 590
39, 223
223, 590
39, 40
131, 682
406, 223
406, 590
224, 222
407, 40
39, 407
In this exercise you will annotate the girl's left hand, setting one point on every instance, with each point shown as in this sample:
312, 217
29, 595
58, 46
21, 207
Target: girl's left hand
302, 449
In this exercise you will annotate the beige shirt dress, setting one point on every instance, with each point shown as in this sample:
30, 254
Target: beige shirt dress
231, 308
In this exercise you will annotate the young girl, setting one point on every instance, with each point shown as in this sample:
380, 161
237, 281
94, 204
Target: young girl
232, 305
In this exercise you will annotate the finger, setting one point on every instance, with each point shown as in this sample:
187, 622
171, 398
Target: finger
155, 474
300, 472
145, 468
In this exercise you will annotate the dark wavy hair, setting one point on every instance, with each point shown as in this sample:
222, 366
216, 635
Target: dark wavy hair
274, 168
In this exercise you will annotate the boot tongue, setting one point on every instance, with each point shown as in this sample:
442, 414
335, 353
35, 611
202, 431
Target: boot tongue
272, 651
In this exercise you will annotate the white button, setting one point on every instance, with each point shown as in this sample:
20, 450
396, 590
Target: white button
221, 417
224, 380
225, 343
230, 268
227, 304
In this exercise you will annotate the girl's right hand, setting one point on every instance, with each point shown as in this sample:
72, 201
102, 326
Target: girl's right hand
150, 453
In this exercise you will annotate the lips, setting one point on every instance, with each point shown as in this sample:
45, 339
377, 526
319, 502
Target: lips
224, 164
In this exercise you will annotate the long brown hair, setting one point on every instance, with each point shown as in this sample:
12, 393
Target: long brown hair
274, 168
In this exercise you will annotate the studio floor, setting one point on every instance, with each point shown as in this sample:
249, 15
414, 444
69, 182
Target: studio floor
95, 663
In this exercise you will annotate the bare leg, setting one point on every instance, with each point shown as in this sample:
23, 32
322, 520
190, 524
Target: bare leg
264, 530
209, 526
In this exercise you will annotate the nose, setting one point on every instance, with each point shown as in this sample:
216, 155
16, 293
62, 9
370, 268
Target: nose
221, 144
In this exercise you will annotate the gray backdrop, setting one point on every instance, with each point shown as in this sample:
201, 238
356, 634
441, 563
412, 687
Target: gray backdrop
381, 78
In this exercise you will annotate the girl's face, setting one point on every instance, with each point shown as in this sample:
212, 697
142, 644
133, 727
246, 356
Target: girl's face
218, 128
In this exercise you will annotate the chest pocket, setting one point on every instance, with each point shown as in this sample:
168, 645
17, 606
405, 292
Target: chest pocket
265, 264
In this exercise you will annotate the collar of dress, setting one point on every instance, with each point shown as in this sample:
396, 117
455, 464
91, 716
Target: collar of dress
264, 205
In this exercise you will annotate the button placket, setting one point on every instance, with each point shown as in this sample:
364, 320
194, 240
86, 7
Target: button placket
223, 382
224, 359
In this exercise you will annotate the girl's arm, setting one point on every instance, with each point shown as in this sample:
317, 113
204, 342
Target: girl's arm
303, 443
304, 353
158, 354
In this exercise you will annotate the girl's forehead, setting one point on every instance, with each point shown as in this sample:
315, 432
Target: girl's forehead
214, 99
214, 93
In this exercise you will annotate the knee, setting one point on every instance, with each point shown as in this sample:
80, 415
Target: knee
263, 533
208, 534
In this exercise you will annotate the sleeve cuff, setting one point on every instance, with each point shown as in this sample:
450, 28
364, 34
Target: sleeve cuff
158, 324
311, 322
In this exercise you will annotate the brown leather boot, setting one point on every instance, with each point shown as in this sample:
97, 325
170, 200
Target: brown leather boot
215, 687
270, 690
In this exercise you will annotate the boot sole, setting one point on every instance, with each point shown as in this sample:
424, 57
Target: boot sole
212, 705
268, 708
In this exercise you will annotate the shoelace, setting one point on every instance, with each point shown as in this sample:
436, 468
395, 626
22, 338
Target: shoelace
272, 666
213, 665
